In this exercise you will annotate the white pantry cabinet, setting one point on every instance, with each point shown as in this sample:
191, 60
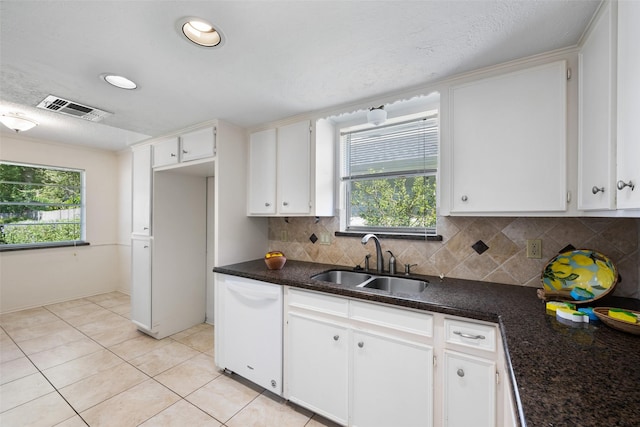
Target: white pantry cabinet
194, 220
597, 89
141, 191
141, 277
628, 123
342, 360
509, 142
290, 170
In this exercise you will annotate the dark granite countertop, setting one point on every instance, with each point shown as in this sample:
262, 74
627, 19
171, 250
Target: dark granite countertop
563, 374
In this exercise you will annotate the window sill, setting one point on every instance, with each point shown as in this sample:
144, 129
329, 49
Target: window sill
425, 237
10, 248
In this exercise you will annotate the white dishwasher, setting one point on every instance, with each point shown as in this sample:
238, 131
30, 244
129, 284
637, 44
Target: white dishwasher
248, 329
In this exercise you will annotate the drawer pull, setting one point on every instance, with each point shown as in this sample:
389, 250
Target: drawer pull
336, 337
460, 373
361, 344
471, 337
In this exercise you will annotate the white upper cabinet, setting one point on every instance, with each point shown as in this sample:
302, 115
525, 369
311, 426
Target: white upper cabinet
597, 88
509, 142
291, 170
166, 152
195, 145
628, 124
198, 144
262, 173
294, 169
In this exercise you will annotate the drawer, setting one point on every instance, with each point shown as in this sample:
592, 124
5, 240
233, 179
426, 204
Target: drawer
470, 334
402, 319
328, 304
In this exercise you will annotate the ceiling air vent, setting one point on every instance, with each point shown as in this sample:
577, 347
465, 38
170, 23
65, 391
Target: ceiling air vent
70, 108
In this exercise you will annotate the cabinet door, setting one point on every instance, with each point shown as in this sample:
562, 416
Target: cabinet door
198, 144
165, 152
469, 391
392, 382
294, 169
596, 158
628, 165
141, 191
317, 366
509, 142
141, 283
262, 173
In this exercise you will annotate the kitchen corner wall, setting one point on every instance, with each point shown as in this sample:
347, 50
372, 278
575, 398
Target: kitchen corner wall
504, 262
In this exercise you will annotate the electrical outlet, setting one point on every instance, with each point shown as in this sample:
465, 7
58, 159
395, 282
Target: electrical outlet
534, 248
325, 238
284, 235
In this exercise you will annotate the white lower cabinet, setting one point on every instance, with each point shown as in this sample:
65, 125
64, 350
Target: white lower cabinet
358, 363
469, 394
392, 382
318, 362
141, 276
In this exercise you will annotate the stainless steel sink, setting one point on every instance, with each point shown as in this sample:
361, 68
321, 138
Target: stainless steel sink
364, 281
395, 285
342, 277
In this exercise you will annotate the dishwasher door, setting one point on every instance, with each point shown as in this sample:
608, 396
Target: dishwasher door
251, 331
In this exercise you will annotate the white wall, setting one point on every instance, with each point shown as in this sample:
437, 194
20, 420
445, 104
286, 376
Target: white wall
35, 277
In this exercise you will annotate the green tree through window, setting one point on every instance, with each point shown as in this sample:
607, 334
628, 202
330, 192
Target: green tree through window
39, 204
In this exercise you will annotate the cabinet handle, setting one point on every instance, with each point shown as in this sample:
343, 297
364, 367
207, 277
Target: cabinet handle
285, 203
185, 152
621, 184
145, 228
173, 154
145, 246
336, 337
361, 344
471, 337
596, 190
460, 373
267, 204
464, 198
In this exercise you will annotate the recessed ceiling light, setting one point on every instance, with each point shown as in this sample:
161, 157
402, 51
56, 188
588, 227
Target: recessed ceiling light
119, 81
201, 32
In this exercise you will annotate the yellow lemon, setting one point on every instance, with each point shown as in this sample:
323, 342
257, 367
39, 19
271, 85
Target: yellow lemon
604, 277
582, 259
555, 284
584, 275
561, 270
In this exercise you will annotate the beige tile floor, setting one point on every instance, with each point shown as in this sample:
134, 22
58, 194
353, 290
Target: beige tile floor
82, 362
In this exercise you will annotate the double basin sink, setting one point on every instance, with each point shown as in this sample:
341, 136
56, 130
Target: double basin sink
366, 281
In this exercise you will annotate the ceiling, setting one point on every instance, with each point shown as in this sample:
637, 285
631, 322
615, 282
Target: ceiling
279, 58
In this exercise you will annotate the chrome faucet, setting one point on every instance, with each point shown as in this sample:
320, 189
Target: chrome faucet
379, 258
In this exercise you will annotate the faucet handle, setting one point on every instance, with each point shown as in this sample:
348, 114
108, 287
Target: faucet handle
407, 268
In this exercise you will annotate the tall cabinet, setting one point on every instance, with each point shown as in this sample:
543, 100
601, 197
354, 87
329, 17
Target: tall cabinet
609, 142
188, 215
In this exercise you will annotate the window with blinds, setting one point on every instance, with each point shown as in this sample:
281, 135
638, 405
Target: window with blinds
389, 177
40, 204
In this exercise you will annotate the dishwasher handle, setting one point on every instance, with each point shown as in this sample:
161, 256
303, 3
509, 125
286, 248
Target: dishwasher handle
253, 292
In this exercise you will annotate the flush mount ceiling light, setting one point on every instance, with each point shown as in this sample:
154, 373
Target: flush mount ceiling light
17, 122
119, 81
376, 115
201, 32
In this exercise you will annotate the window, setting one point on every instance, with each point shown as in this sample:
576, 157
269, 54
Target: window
40, 205
389, 177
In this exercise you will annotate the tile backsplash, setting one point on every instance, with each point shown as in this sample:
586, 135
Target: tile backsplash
504, 261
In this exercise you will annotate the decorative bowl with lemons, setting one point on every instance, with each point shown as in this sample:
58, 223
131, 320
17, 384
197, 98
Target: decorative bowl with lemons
581, 275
